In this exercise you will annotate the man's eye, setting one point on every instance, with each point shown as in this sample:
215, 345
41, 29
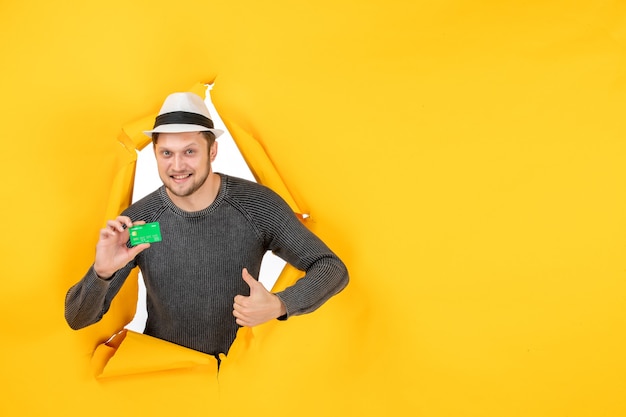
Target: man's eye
165, 153
189, 151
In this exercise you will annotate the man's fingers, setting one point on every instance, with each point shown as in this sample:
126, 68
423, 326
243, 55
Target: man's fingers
240, 317
119, 225
107, 233
114, 225
124, 220
241, 307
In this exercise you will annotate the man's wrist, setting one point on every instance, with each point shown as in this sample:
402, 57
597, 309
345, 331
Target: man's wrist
282, 309
103, 277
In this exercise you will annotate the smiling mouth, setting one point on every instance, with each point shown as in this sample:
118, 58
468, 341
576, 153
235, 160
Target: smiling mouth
180, 177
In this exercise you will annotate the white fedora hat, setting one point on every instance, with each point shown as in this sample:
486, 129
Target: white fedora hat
183, 112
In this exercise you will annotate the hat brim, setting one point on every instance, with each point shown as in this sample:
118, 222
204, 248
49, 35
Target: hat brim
181, 128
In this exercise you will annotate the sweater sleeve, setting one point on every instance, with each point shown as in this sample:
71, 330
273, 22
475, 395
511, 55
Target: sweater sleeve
90, 298
325, 274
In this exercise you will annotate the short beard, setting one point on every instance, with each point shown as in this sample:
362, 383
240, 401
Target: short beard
189, 192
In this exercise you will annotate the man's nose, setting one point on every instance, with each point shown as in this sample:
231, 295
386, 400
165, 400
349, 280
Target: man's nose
177, 162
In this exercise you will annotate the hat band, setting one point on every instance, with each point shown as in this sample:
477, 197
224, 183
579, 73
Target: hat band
183, 117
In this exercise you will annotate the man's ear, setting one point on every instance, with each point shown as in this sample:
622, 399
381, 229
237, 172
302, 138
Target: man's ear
213, 151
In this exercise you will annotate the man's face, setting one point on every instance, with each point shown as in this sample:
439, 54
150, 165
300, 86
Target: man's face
184, 162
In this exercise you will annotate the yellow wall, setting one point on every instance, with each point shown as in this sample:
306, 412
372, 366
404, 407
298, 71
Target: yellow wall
465, 158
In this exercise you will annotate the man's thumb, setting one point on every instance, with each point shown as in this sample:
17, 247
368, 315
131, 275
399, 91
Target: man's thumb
135, 250
252, 283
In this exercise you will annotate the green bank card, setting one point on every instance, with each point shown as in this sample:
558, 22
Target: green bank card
145, 233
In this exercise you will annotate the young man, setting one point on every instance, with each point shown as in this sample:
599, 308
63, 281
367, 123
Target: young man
200, 279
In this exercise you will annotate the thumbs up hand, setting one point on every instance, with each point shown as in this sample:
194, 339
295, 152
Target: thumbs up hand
259, 307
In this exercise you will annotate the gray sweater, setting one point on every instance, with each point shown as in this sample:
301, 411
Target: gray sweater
193, 275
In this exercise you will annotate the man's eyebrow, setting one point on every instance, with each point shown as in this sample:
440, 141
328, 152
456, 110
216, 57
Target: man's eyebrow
190, 145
